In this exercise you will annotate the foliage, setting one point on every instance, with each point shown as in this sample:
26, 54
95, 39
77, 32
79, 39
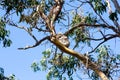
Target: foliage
2, 77
57, 65
100, 6
4, 35
113, 16
17, 5
1, 73
12, 77
81, 33
35, 67
107, 60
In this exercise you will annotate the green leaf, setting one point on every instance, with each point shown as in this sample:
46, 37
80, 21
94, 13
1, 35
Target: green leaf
35, 66
7, 42
43, 63
4, 34
46, 53
100, 6
12, 77
113, 16
118, 56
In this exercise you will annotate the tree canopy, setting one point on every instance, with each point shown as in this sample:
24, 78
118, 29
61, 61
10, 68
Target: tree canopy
2, 76
77, 32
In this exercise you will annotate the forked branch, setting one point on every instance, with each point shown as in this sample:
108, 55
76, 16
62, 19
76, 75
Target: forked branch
84, 59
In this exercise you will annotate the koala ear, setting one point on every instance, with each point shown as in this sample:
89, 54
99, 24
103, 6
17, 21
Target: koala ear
59, 35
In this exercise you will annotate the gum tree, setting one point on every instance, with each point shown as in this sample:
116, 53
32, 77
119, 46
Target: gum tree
76, 31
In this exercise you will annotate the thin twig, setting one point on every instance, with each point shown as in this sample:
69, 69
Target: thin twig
98, 14
111, 37
36, 44
26, 29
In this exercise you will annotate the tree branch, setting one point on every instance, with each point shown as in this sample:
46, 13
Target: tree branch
93, 26
116, 4
39, 29
98, 14
110, 11
36, 44
54, 12
53, 15
105, 40
26, 29
83, 58
43, 16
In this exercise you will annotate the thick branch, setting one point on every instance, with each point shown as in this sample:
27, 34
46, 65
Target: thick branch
41, 12
54, 12
53, 15
84, 59
43, 16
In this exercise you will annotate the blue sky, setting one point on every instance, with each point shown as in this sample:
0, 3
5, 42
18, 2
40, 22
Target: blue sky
18, 62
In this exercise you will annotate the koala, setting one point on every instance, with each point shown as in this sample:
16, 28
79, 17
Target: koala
63, 39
